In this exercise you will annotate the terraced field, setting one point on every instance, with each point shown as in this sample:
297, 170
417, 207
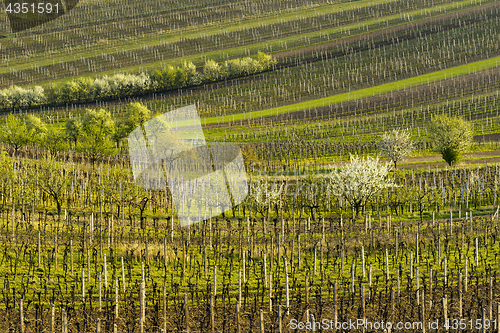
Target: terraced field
86, 249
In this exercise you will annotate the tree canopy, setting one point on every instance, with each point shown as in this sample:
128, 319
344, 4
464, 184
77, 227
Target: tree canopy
96, 135
450, 136
15, 133
396, 145
359, 181
36, 128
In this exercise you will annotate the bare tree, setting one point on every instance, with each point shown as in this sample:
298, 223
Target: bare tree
52, 178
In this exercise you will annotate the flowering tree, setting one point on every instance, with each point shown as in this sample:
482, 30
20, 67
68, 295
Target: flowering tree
4, 99
211, 71
35, 96
100, 88
18, 96
450, 136
396, 145
193, 78
263, 194
359, 181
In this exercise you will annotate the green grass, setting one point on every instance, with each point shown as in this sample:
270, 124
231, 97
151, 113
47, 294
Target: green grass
238, 51
189, 33
363, 93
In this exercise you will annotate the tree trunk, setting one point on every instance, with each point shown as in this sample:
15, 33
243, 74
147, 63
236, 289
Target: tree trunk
59, 208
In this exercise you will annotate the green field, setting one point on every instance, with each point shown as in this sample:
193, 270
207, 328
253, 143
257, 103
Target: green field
363, 93
327, 225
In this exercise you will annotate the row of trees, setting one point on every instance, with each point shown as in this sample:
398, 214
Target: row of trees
98, 133
449, 136
94, 134
363, 178
118, 85
121, 85
15, 96
212, 71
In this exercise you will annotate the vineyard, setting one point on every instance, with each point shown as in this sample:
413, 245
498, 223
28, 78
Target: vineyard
360, 215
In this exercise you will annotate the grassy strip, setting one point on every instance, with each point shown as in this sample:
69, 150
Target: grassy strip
217, 133
362, 93
252, 48
154, 39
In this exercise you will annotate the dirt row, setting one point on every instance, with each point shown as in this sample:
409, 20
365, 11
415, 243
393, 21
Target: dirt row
384, 32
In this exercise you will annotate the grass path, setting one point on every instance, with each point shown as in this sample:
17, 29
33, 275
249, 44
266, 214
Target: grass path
154, 39
362, 93
379, 24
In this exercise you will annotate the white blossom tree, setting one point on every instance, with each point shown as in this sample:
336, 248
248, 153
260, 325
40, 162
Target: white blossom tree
141, 83
263, 194
126, 84
396, 145
359, 181
100, 88
4, 99
193, 78
18, 96
35, 96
